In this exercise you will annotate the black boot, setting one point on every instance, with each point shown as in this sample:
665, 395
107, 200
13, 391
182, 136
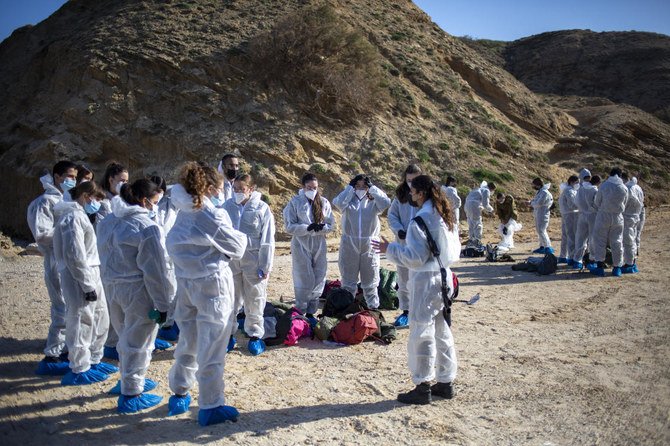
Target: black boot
419, 395
443, 390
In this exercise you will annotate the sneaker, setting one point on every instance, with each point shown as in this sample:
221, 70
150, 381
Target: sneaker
110, 353
443, 390
90, 376
419, 395
105, 367
231, 344
616, 271
179, 404
217, 415
52, 366
402, 320
149, 385
539, 250
256, 346
132, 404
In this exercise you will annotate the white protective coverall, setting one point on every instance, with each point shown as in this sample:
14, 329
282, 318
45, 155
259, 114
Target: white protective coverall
76, 251
631, 220
452, 195
165, 217
567, 203
611, 201
477, 200
399, 217
360, 225
308, 250
254, 219
41, 221
200, 244
104, 211
541, 204
138, 278
430, 347
587, 217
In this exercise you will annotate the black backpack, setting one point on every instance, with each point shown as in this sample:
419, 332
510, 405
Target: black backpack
548, 265
337, 303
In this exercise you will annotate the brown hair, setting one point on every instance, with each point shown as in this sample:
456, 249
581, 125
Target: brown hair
317, 212
246, 179
113, 169
402, 191
433, 191
196, 178
82, 171
136, 193
87, 187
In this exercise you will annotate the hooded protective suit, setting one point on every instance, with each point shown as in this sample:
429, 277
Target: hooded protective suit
165, 217
105, 210
611, 201
76, 251
631, 220
138, 278
399, 217
201, 244
541, 204
41, 221
308, 250
360, 225
567, 203
452, 195
587, 216
254, 219
430, 345
477, 200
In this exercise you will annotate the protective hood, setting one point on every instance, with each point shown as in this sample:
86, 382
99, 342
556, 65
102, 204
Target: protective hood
49, 187
632, 182
615, 180
584, 173
62, 207
181, 199
563, 187
121, 209
254, 199
483, 185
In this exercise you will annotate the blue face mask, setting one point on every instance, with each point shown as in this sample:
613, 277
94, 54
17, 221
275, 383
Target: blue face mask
92, 207
68, 184
215, 201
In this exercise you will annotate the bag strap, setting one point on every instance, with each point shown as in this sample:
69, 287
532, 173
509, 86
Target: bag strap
435, 250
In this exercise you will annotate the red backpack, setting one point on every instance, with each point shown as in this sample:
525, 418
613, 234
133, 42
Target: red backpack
355, 329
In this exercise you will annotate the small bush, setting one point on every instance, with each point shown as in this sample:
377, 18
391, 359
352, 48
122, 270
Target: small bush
424, 157
318, 168
482, 174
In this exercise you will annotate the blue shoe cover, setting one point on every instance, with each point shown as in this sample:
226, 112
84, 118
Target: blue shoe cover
256, 347
231, 344
132, 404
570, 262
549, 250
160, 344
179, 404
312, 321
562, 260
598, 271
110, 353
616, 271
539, 250
105, 367
53, 367
591, 266
577, 265
402, 320
240, 324
635, 270
90, 376
148, 385
219, 414
169, 334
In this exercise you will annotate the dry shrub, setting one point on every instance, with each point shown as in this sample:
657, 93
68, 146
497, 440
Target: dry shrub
331, 70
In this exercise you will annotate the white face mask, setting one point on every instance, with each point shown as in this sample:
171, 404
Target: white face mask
576, 186
310, 194
118, 187
361, 193
160, 197
409, 184
240, 197
153, 212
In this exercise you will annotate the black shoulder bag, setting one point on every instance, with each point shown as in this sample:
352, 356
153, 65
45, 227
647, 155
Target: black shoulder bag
435, 250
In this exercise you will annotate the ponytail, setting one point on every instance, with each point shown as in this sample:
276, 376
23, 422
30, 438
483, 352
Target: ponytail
433, 191
134, 194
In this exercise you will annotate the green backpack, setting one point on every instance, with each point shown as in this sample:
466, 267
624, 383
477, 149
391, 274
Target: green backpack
324, 327
388, 296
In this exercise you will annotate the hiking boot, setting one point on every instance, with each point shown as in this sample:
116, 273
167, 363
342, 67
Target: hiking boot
419, 395
443, 390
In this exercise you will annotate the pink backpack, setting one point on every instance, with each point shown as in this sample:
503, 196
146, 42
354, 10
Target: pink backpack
300, 328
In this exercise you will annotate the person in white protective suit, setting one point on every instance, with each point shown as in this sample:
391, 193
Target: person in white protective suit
477, 200
567, 203
430, 347
541, 204
76, 251
400, 215
41, 221
253, 217
116, 175
361, 204
506, 211
138, 279
229, 168
631, 220
611, 201
451, 192
201, 244
308, 217
586, 220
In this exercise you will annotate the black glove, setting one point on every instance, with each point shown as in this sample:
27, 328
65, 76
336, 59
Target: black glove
356, 179
504, 230
91, 296
368, 183
402, 234
312, 226
318, 227
162, 318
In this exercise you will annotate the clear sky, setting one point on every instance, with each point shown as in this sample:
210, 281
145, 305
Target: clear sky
484, 19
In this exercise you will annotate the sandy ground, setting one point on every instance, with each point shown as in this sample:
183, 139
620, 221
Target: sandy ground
562, 359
